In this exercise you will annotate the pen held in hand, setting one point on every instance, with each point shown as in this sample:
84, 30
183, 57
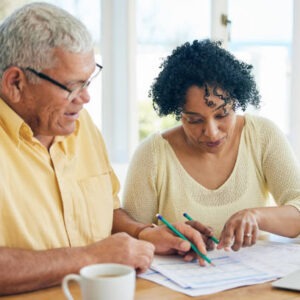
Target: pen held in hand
195, 249
211, 237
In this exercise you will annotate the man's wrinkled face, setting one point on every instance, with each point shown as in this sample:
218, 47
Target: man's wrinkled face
46, 107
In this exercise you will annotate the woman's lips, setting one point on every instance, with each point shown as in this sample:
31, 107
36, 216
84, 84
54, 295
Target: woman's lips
214, 144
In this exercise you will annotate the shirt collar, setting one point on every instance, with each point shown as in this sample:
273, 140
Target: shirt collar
16, 128
12, 122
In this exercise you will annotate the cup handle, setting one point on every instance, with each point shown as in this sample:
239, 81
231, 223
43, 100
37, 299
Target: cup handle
65, 286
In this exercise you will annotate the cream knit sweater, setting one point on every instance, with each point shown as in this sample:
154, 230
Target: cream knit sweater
157, 182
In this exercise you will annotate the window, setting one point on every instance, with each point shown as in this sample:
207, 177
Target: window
161, 27
261, 34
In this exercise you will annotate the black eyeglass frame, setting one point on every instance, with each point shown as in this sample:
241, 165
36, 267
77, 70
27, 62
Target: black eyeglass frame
62, 86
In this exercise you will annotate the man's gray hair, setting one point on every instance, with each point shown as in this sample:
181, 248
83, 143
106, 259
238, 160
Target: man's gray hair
30, 35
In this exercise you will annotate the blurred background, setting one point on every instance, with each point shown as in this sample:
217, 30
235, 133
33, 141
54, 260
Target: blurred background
133, 36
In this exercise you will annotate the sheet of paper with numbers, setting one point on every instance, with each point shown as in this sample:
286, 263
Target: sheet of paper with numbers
261, 263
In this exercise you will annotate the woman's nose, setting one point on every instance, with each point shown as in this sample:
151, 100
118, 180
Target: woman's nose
210, 129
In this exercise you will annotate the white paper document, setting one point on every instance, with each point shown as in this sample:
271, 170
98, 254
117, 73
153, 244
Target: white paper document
261, 263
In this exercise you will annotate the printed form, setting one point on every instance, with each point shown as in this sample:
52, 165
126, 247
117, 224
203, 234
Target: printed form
263, 262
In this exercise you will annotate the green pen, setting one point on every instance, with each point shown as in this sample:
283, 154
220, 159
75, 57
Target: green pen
170, 226
211, 237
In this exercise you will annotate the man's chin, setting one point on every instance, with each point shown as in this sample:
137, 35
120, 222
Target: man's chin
65, 130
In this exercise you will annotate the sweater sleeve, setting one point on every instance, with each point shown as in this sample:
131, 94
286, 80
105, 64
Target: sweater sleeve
140, 192
280, 166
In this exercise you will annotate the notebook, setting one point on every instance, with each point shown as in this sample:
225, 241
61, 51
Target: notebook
290, 281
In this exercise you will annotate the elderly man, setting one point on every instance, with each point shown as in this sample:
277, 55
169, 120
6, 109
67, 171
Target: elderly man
58, 193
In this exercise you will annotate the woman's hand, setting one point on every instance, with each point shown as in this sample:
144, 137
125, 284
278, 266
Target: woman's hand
166, 242
239, 231
206, 233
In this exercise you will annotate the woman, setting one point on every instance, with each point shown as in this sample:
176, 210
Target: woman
218, 165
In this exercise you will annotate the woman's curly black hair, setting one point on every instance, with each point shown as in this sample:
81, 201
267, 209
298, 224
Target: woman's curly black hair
202, 63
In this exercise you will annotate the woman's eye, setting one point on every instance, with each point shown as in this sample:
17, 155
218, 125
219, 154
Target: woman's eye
195, 121
221, 116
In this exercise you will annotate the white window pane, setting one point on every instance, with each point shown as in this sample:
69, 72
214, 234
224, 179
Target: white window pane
169, 22
261, 34
261, 20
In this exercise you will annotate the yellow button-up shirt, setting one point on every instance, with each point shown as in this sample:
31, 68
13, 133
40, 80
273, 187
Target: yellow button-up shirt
64, 197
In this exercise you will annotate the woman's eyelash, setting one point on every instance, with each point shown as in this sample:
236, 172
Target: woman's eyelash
221, 116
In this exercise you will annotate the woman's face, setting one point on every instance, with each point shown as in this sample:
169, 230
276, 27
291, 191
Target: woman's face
207, 122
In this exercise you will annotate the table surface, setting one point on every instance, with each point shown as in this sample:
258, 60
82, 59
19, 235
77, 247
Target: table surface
147, 290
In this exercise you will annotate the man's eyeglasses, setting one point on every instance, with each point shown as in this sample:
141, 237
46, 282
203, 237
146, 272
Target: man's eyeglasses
73, 93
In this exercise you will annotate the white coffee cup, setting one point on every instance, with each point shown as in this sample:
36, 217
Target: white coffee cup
103, 282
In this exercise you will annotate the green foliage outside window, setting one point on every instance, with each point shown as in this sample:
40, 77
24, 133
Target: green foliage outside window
150, 122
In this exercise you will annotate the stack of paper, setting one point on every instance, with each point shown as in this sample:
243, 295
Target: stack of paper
261, 263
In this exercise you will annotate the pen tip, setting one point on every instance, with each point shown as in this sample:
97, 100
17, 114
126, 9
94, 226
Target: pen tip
212, 264
158, 216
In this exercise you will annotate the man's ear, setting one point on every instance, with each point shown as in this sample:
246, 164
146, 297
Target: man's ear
12, 84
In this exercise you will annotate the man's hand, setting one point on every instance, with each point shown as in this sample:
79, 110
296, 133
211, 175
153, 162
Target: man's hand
122, 248
41, 269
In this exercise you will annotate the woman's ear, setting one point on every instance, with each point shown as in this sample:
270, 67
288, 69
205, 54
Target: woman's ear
12, 83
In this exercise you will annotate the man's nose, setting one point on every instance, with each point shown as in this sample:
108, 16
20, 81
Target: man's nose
83, 96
